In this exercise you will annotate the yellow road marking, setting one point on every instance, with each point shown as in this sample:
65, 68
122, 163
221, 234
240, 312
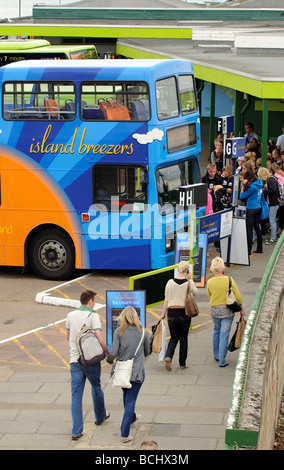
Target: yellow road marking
82, 284
40, 338
22, 347
62, 293
87, 287
32, 364
153, 313
113, 282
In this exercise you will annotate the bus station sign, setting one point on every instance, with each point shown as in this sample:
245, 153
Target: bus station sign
193, 194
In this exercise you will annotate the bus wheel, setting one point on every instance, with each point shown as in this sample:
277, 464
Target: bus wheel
51, 255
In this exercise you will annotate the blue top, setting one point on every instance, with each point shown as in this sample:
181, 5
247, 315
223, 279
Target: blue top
253, 195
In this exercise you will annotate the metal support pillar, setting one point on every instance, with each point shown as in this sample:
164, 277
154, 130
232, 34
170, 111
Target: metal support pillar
237, 119
212, 118
264, 132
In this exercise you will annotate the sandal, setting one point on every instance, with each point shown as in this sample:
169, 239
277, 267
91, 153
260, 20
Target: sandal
168, 364
98, 423
75, 438
137, 418
126, 439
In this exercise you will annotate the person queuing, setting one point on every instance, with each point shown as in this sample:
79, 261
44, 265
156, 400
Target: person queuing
272, 192
251, 192
211, 177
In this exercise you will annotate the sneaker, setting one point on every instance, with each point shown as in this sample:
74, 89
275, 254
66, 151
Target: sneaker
270, 242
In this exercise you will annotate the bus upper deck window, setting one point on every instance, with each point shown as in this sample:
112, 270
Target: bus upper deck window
187, 94
39, 101
167, 98
114, 101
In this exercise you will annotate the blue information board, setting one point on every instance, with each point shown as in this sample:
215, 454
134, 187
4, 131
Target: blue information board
116, 301
217, 225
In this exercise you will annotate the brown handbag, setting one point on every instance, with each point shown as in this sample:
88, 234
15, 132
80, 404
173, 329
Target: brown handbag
191, 308
240, 333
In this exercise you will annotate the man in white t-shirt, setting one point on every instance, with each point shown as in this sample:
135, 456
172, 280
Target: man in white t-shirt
280, 142
85, 315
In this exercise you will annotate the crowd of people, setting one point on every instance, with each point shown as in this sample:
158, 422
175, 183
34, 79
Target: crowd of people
257, 183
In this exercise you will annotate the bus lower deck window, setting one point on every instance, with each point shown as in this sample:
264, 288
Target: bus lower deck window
116, 186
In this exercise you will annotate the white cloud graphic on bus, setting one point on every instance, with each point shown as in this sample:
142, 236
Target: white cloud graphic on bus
155, 134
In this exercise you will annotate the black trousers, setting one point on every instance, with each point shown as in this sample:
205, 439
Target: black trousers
179, 325
253, 222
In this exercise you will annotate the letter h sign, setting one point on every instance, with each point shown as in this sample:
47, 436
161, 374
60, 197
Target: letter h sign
193, 194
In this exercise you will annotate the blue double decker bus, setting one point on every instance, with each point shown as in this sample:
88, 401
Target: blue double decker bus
92, 155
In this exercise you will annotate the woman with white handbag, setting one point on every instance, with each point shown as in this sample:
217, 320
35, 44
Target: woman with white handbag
222, 315
130, 346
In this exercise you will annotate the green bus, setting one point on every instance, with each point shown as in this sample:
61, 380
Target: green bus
26, 49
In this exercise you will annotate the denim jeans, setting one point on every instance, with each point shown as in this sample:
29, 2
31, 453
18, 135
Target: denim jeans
129, 401
253, 222
221, 332
272, 220
178, 326
78, 379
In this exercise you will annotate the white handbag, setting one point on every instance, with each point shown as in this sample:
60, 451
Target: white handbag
231, 300
123, 370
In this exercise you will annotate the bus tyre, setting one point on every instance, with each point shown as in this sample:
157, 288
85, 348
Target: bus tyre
51, 255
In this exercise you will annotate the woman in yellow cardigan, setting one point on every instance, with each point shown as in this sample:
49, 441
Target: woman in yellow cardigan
222, 316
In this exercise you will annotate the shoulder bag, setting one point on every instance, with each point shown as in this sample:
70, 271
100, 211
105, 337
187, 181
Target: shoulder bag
191, 308
122, 373
264, 208
231, 300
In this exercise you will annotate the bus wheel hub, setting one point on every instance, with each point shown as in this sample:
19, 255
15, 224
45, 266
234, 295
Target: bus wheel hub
52, 254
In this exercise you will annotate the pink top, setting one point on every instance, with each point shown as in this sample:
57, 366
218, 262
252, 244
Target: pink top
279, 177
209, 207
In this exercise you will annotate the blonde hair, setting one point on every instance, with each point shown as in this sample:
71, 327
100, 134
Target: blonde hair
211, 166
217, 265
263, 173
183, 266
128, 317
250, 155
